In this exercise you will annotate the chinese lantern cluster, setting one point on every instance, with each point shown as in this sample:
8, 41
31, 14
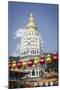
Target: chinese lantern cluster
23, 64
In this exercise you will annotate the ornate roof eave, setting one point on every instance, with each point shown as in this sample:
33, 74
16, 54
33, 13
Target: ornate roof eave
35, 28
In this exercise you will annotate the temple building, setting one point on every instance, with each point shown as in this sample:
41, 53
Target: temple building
32, 47
31, 42
34, 67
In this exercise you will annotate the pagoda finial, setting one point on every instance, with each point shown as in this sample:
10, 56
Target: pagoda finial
31, 14
31, 22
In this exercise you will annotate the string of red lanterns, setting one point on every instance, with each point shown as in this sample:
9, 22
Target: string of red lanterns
31, 62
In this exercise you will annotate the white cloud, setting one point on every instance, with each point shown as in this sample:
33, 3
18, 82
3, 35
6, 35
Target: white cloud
15, 54
17, 51
19, 33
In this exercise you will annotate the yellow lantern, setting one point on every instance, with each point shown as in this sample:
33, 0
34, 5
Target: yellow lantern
48, 55
48, 60
24, 64
14, 62
36, 62
13, 65
35, 58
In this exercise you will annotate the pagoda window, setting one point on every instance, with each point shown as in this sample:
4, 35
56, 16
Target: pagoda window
29, 43
33, 33
33, 72
31, 52
35, 51
29, 33
37, 73
24, 52
38, 51
41, 73
37, 34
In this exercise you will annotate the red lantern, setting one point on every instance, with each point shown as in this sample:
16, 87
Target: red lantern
42, 61
30, 63
55, 57
31, 60
19, 64
19, 61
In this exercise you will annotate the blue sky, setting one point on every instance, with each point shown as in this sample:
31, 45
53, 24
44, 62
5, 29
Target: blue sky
46, 17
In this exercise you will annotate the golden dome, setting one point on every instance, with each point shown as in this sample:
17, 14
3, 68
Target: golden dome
31, 23
35, 58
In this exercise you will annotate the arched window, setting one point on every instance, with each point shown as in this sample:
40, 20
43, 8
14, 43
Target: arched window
37, 73
33, 72
41, 73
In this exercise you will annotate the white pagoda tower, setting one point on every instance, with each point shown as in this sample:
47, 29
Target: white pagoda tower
31, 47
31, 43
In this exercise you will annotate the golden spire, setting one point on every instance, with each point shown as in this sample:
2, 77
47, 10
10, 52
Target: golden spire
31, 23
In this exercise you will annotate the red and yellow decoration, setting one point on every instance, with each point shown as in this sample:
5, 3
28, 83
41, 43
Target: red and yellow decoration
36, 61
48, 59
24, 64
55, 57
30, 63
19, 64
42, 60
